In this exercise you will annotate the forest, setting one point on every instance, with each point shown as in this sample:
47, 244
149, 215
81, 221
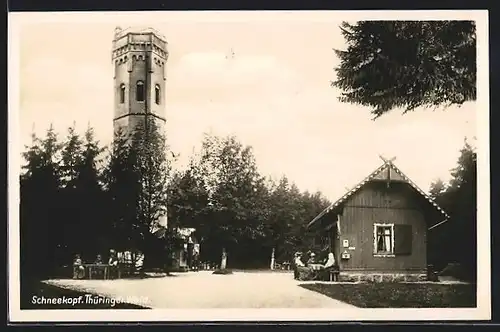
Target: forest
78, 196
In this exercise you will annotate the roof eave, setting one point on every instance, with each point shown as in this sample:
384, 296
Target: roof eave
314, 221
438, 224
322, 214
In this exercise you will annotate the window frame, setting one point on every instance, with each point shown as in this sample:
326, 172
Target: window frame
376, 253
157, 94
143, 89
121, 92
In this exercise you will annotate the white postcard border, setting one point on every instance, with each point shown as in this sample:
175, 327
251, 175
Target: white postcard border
483, 310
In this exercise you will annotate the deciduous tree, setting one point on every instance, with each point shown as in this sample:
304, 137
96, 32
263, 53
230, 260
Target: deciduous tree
148, 151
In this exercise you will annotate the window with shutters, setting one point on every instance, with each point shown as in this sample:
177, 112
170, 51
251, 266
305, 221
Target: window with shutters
383, 242
392, 240
403, 235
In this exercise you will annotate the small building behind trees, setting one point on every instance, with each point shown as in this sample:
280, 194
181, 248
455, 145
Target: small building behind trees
183, 243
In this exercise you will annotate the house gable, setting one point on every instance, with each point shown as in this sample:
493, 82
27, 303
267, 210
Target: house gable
377, 194
387, 173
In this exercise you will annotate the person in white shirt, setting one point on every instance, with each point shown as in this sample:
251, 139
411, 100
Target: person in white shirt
78, 269
113, 264
113, 260
330, 262
298, 260
331, 266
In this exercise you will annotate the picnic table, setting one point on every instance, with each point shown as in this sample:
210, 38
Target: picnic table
120, 269
319, 269
316, 267
316, 271
96, 267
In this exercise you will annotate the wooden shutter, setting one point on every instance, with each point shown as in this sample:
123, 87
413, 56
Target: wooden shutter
403, 238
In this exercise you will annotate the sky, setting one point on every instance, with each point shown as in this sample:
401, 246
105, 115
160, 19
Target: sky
274, 95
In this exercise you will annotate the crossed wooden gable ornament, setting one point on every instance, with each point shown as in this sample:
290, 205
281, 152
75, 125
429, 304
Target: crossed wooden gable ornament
387, 161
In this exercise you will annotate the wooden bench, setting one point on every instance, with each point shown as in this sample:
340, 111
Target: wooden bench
333, 273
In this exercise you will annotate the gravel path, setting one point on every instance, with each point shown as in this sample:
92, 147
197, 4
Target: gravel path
205, 290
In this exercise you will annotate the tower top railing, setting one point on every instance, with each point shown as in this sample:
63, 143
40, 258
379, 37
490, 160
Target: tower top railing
119, 32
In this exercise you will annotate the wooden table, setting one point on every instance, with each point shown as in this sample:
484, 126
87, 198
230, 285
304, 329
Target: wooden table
316, 270
316, 267
90, 267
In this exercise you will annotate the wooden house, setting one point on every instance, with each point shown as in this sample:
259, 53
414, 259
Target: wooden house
378, 230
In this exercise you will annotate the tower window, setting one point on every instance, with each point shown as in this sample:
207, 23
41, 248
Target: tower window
122, 93
157, 94
139, 93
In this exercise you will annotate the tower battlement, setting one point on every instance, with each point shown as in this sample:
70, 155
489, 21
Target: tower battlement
119, 32
139, 40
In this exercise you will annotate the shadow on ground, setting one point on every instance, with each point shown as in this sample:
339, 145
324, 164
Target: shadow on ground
148, 275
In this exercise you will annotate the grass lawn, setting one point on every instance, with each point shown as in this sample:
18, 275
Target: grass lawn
400, 295
39, 289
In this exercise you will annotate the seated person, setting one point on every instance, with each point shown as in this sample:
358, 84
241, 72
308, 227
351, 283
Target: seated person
78, 269
302, 271
113, 263
113, 260
98, 261
312, 259
330, 264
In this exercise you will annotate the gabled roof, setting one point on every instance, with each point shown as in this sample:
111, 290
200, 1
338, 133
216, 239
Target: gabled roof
391, 171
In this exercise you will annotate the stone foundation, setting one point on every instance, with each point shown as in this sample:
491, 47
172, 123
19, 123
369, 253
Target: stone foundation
381, 277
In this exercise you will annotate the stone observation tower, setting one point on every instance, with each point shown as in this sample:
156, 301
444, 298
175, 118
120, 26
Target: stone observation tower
139, 58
